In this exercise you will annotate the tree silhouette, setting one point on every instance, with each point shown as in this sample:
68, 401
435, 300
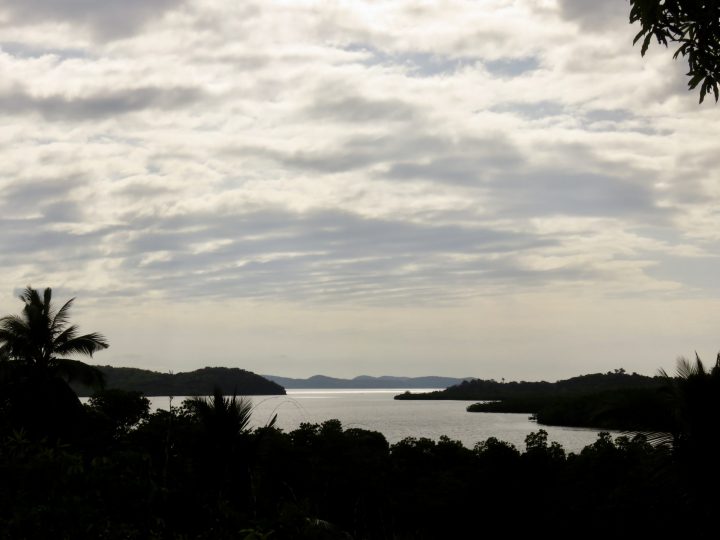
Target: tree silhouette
227, 449
35, 369
694, 25
40, 339
695, 400
224, 419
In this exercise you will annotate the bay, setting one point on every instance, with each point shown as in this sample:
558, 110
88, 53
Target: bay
376, 410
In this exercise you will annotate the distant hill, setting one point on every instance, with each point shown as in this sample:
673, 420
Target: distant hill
612, 400
192, 383
365, 381
479, 389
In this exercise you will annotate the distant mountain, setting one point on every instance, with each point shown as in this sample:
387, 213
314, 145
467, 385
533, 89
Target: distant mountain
193, 383
366, 381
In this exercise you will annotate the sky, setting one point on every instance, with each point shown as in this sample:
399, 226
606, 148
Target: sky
497, 189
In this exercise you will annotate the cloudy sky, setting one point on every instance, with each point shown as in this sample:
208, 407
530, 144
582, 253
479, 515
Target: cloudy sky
493, 188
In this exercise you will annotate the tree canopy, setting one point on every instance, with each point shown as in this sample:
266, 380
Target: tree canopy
694, 25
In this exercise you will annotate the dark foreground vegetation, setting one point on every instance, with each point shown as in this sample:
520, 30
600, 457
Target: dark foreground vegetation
112, 470
192, 383
181, 474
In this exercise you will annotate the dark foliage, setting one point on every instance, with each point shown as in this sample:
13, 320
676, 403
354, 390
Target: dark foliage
172, 476
614, 400
694, 25
200, 382
640, 409
480, 389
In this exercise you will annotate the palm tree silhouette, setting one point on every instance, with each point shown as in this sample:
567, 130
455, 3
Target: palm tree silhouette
695, 396
40, 339
695, 402
225, 420
35, 369
228, 447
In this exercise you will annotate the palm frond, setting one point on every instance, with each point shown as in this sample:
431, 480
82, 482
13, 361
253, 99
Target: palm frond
17, 338
68, 334
14, 326
200, 407
699, 367
31, 297
61, 318
226, 417
241, 412
47, 299
684, 368
85, 345
40, 334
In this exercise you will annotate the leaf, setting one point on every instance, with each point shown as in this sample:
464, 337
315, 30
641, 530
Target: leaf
646, 43
639, 35
695, 80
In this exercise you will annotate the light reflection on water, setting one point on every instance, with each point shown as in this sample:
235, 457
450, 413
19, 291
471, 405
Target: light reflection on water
377, 410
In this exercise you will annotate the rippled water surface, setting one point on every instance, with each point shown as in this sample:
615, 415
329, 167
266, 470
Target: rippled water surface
377, 410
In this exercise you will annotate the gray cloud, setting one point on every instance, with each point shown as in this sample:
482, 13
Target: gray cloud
558, 191
98, 105
35, 241
37, 191
358, 109
317, 254
512, 67
463, 168
420, 64
106, 19
27, 50
142, 190
591, 120
338, 232
48, 198
409, 154
698, 273
596, 16
532, 110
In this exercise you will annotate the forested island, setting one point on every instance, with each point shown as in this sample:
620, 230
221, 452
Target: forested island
613, 400
200, 382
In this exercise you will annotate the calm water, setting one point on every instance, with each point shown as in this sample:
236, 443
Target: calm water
377, 410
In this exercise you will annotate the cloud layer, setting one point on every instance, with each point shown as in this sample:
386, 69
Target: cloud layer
369, 154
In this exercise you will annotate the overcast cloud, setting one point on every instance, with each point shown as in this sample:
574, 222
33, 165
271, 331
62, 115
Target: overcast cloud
460, 188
